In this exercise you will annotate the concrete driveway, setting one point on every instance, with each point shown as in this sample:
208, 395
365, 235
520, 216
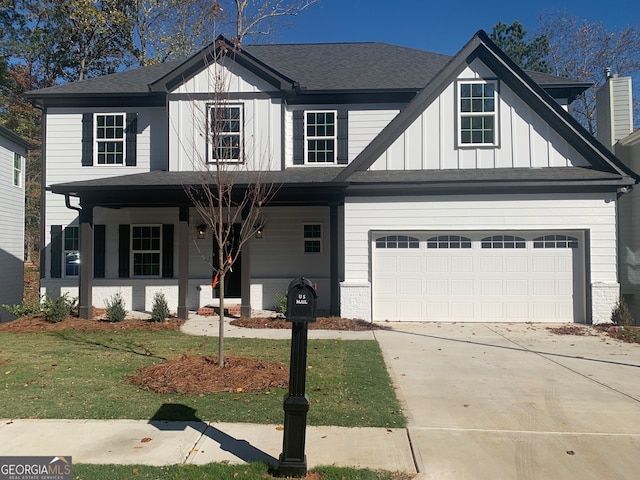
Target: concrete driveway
516, 401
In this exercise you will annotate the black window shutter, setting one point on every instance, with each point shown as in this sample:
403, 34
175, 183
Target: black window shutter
56, 251
343, 137
167, 251
87, 139
124, 234
298, 137
132, 133
99, 251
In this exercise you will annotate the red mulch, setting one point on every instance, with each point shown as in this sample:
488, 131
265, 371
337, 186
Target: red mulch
199, 375
322, 323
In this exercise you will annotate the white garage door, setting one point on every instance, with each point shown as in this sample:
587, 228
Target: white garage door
488, 277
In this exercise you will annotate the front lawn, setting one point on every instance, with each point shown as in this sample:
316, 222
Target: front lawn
84, 375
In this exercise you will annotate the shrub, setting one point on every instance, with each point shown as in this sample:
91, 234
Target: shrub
24, 309
160, 309
57, 309
281, 303
621, 315
115, 308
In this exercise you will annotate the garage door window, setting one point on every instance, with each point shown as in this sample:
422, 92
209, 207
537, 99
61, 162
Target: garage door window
397, 241
449, 241
504, 241
555, 241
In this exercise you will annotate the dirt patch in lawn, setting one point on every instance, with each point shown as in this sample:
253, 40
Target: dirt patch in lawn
199, 375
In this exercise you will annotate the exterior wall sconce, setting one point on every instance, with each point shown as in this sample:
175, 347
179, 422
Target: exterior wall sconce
201, 231
259, 233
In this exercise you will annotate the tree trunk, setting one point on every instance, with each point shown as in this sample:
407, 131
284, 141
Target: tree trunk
221, 318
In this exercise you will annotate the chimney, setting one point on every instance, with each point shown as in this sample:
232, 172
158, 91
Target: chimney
614, 110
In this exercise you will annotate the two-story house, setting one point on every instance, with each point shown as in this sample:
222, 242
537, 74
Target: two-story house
411, 185
13, 150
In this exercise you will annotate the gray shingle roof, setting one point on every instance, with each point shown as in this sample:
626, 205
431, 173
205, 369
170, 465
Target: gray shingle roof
315, 67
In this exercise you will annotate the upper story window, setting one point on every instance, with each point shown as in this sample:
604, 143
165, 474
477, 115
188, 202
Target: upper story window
110, 138
18, 165
225, 133
320, 137
477, 113
71, 251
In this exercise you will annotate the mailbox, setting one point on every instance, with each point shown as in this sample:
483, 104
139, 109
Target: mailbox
301, 301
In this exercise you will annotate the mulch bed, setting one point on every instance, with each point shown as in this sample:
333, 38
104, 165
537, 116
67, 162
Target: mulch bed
199, 375
321, 323
39, 324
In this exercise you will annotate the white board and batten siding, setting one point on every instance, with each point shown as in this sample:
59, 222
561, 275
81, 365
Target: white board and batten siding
589, 217
262, 112
12, 231
525, 139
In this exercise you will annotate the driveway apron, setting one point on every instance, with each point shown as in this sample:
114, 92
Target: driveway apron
516, 401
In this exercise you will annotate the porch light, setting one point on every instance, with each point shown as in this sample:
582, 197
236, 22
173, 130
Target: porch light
201, 231
259, 233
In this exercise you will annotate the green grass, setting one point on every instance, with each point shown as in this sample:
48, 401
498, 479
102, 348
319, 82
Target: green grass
253, 471
74, 374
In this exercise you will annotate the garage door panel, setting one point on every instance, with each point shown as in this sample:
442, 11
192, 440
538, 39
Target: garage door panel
450, 283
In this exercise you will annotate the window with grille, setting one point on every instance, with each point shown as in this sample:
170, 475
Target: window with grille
110, 138
397, 241
449, 241
71, 251
555, 241
146, 250
225, 133
321, 135
504, 241
477, 110
312, 233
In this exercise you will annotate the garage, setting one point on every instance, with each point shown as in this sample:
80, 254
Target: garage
478, 276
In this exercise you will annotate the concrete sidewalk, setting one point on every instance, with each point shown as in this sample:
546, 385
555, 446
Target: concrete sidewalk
168, 443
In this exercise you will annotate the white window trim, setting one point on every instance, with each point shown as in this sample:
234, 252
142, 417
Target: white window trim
19, 171
494, 114
240, 134
133, 252
319, 239
96, 140
333, 137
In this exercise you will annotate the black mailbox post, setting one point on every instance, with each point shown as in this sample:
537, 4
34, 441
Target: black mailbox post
301, 309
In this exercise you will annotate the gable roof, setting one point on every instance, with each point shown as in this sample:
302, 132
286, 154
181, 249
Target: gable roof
15, 138
483, 48
299, 70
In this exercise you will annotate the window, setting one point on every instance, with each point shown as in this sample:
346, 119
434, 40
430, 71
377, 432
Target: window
110, 136
504, 241
146, 250
18, 163
477, 113
71, 251
449, 241
397, 241
320, 137
225, 129
555, 241
312, 238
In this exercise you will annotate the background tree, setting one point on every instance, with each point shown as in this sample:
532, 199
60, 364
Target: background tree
582, 50
233, 190
528, 54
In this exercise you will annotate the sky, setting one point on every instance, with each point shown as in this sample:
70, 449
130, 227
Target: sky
438, 26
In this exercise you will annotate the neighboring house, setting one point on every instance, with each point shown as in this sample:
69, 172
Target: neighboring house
13, 151
412, 185
614, 108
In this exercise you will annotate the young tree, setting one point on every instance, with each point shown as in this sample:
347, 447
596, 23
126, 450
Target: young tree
530, 55
233, 188
582, 50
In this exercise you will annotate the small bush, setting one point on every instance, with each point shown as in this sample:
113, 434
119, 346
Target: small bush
57, 309
621, 315
281, 303
24, 309
115, 308
160, 309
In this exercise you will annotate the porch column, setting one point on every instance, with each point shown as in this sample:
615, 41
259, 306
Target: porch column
85, 275
245, 278
334, 261
183, 262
